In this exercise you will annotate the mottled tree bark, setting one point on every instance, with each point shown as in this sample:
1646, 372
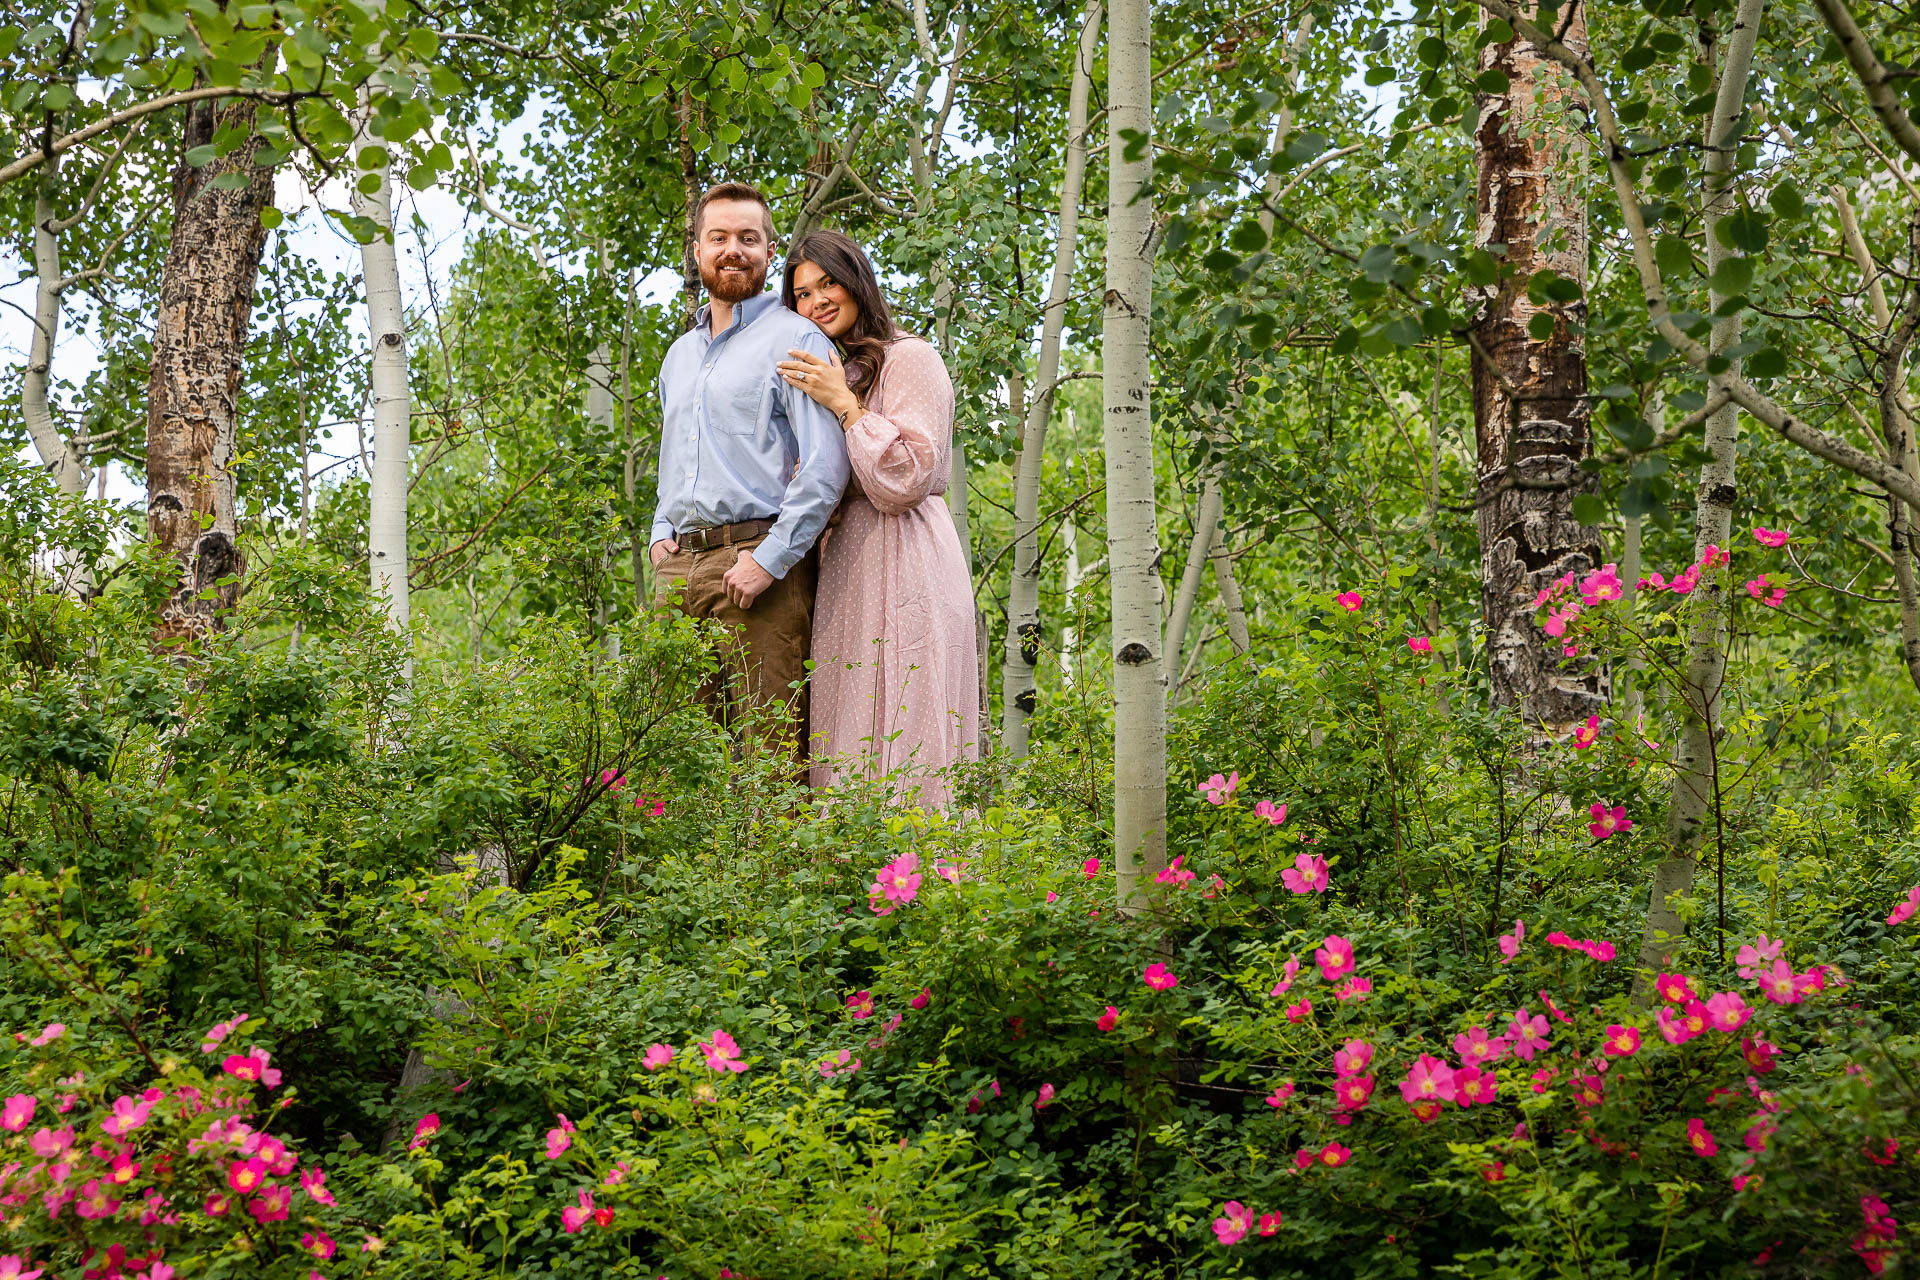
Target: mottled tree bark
1529, 395
193, 388
1133, 543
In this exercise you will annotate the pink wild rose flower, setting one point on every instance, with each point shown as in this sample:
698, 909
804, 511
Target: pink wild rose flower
1701, 1139
1754, 956
1905, 911
1770, 537
1351, 1058
423, 1132
576, 1216
1300, 1011
1233, 1228
1475, 1047
17, 1114
1090, 868
1308, 874
657, 1056
1727, 1012
860, 1004
1282, 1092
560, 1137
1602, 586
1587, 734
127, 1116
1474, 1087
1420, 644
1510, 942
1350, 601
1335, 958
1275, 814
1174, 873
1621, 1041
1674, 988
1159, 977
1428, 1080
1288, 972
1219, 790
1527, 1033
1109, 1019
1354, 989
897, 883
721, 1053
1350, 1093
1608, 822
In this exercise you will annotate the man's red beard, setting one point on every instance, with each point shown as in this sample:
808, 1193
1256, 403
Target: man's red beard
733, 287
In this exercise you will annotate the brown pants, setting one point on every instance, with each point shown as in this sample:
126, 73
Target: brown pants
766, 664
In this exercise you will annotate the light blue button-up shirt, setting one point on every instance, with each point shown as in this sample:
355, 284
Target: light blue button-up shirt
737, 442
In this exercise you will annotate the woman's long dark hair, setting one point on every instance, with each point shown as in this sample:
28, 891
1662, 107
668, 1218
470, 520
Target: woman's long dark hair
846, 264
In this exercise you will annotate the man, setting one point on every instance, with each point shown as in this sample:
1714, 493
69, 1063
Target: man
750, 466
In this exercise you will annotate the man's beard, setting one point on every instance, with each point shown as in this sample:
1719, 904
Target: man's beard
731, 287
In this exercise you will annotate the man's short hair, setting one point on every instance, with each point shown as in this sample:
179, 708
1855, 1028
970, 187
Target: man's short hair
739, 191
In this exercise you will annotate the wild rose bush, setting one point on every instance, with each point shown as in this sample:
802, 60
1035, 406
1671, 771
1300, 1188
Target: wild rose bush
712, 1030
131, 1165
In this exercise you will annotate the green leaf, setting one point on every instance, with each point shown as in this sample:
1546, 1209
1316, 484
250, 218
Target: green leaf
1540, 326
1668, 180
1248, 237
271, 217
201, 156
1743, 229
1402, 331
1432, 51
1377, 261
370, 183
1220, 260
1589, 508
1767, 362
1733, 275
1674, 255
1638, 58
813, 75
231, 180
1636, 500
1305, 146
1345, 341
1480, 267
1787, 200
372, 158
1436, 321
58, 98
1492, 80
1379, 75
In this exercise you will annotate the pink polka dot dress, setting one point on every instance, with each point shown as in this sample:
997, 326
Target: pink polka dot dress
896, 685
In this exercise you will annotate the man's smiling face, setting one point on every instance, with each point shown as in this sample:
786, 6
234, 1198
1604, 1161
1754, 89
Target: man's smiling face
734, 249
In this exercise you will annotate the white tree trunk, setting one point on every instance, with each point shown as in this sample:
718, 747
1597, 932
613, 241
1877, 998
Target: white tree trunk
1133, 549
1018, 685
63, 459
1695, 773
392, 405
1206, 533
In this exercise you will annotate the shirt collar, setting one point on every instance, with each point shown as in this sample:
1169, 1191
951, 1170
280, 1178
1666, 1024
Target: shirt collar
744, 313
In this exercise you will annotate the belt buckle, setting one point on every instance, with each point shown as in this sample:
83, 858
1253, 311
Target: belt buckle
687, 539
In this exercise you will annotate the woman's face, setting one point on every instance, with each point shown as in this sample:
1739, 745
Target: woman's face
823, 300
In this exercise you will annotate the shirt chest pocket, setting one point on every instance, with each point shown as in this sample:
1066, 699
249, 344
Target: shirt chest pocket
739, 403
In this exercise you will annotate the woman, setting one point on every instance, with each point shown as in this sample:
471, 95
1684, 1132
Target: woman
896, 674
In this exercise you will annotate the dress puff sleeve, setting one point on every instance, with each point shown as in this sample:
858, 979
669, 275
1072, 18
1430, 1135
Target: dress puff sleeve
902, 455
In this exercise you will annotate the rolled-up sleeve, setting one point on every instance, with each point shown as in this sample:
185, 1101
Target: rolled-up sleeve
662, 523
819, 476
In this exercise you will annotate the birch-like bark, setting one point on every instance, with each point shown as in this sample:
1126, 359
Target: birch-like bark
193, 384
1531, 412
1018, 687
1206, 534
1696, 774
1763, 408
1133, 548
392, 402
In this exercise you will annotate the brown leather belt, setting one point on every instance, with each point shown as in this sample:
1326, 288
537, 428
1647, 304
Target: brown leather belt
725, 535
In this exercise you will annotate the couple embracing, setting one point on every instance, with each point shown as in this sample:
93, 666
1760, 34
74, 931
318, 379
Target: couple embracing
805, 442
